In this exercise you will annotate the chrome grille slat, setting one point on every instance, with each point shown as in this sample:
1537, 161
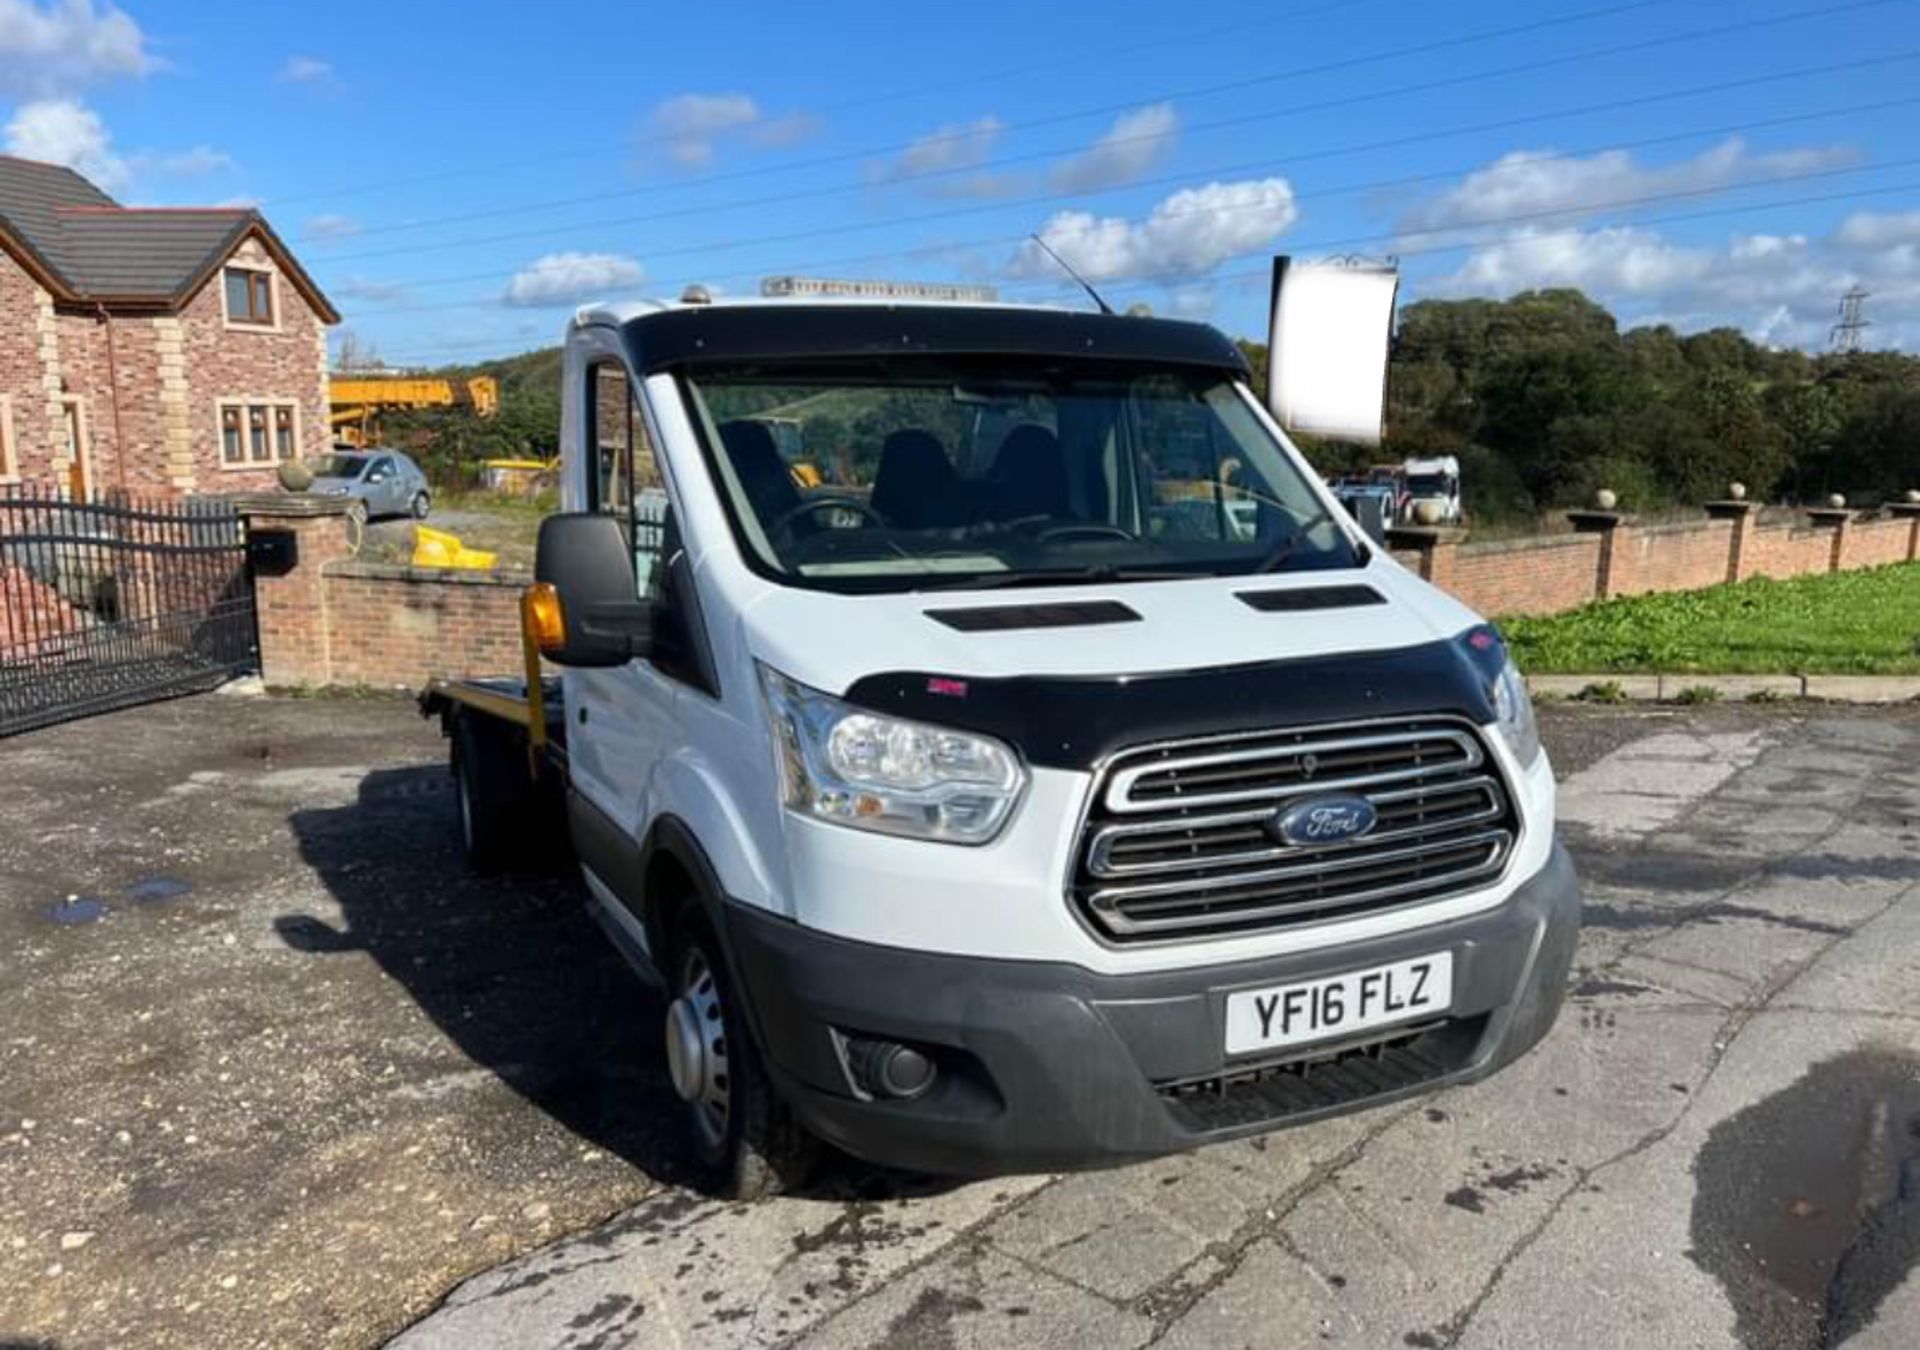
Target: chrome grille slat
1176, 841
1101, 861
1121, 798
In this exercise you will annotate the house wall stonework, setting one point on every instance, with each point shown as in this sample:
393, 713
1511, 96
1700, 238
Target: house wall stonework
24, 305
148, 387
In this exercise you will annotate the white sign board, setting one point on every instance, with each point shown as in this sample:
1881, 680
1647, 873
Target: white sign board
1327, 347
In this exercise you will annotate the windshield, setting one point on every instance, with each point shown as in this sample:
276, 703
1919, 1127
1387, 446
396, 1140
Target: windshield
1429, 485
339, 466
911, 474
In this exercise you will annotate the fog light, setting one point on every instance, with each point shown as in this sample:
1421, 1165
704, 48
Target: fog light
888, 1069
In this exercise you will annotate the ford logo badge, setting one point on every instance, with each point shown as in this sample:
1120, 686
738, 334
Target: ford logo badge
1324, 820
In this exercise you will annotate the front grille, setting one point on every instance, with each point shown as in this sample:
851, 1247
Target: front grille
1178, 842
1326, 1080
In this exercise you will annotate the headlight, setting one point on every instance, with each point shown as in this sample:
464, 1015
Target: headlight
872, 772
1514, 711
1486, 650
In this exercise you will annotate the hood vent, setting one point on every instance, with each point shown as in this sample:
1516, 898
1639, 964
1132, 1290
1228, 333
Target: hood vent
1004, 618
1312, 597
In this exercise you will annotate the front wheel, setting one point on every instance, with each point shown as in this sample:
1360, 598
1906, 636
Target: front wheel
747, 1141
422, 503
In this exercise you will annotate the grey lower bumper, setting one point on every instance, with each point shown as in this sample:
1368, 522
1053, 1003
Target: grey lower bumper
1048, 1065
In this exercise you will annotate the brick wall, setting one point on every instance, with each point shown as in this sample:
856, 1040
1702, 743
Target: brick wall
399, 625
288, 363
1682, 557
1876, 543
336, 620
1788, 550
149, 398
1610, 556
26, 344
1526, 576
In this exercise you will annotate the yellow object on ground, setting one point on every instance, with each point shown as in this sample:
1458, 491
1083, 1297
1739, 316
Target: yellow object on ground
437, 548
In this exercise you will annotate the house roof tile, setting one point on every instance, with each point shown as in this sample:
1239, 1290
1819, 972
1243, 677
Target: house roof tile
98, 250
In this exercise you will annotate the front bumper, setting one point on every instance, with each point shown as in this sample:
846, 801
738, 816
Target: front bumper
1047, 1065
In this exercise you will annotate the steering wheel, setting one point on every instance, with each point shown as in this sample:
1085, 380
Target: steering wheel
1091, 529
813, 505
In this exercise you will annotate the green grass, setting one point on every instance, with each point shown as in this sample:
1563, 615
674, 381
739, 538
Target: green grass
1841, 623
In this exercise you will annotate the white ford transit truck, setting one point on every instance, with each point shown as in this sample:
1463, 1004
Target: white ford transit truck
1000, 748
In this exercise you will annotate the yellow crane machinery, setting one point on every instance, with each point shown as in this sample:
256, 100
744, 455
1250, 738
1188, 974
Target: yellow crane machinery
358, 400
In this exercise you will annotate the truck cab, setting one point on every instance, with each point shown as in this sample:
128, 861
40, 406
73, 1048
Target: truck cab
1052, 776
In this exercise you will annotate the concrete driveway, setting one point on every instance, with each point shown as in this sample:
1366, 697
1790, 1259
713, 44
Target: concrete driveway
299, 1100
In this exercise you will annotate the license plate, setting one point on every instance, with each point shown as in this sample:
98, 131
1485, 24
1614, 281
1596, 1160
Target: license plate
1339, 1005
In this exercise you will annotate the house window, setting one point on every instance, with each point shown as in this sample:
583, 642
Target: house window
9, 456
258, 432
249, 296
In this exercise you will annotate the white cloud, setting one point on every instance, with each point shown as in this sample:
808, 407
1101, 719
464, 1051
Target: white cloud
66, 131
946, 162
1622, 260
1779, 288
362, 288
1137, 141
955, 146
1188, 234
691, 123
692, 126
1538, 182
58, 47
310, 70
788, 129
199, 162
331, 226
565, 278
1879, 229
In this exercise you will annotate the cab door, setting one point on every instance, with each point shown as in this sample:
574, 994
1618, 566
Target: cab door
620, 720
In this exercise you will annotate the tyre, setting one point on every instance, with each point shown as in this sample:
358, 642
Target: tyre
421, 504
492, 791
748, 1143
357, 511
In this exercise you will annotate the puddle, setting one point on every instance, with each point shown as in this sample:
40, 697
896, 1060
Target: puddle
153, 890
77, 909
1807, 1208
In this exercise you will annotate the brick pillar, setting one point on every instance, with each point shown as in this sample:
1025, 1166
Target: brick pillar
1606, 524
292, 539
1835, 518
1742, 514
1438, 547
1909, 512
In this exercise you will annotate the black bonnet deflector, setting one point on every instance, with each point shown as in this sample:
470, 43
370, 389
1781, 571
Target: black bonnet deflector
1004, 618
1311, 597
1074, 722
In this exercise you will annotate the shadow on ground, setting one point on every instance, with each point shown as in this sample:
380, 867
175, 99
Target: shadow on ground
515, 972
511, 968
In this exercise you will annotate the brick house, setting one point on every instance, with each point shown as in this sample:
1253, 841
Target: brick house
155, 351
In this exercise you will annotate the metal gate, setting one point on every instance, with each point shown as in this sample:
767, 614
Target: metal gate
108, 604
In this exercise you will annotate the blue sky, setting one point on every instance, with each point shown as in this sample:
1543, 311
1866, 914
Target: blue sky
458, 175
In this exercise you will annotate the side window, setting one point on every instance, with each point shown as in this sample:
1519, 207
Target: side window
626, 481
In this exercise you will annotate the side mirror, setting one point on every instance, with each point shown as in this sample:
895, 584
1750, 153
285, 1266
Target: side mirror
584, 557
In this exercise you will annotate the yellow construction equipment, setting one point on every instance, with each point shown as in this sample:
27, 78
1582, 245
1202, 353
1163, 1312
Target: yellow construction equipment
358, 400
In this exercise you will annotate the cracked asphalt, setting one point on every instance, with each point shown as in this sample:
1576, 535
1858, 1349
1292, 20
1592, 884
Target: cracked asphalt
331, 1093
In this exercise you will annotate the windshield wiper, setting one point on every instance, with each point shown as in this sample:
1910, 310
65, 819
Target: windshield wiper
1065, 576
